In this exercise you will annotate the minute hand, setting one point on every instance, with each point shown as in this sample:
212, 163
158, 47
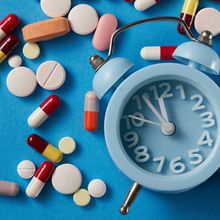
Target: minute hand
154, 110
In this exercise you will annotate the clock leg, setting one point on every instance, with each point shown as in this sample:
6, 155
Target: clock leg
131, 196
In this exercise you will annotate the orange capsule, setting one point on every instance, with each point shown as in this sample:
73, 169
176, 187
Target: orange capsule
91, 111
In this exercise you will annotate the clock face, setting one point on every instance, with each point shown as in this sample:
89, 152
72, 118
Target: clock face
168, 127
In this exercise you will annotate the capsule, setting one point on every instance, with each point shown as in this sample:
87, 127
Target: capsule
44, 148
91, 111
142, 5
129, 1
7, 45
8, 188
39, 180
158, 52
43, 112
188, 13
8, 24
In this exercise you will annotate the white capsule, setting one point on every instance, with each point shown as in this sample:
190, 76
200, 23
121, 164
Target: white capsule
142, 5
150, 53
34, 187
37, 118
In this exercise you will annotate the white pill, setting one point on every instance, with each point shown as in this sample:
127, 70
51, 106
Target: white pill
14, 61
55, 8
83, 19
142, 5
21, 81
66, 179
67, 145
97, 188
51, 75
31, 50
26, 169
81, 197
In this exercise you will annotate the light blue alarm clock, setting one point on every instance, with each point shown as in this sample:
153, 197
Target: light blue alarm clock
162, 122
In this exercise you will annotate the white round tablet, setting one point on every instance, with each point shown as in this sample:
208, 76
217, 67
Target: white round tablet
67, 145
26, 169
97, 188
31, 50
66, 179
81, 197
14, 61
21, 81
55, 8
83, 19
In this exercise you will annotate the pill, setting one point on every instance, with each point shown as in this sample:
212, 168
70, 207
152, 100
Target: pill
83, 19
31, 50
8, 24
67, 145
55, 8
46, 30
81, 197
26, 169
91, 111
8, 188
142, 5
51, 75
66, 179
158, 52
14, 61
7, 45
39, 180
44, 111
97, 188
44, 148
188, 13
21, 81
105, 28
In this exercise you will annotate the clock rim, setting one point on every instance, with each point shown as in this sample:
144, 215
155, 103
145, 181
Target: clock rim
114, 110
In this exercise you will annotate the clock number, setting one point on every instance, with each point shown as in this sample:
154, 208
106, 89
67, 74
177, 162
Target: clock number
161, 162
195, 156
138, 100
207, 119
198, 105
131, 137
182, 91
166, 93
155, 92
205, 139
137, 123
127, 121
176, 166
141, 153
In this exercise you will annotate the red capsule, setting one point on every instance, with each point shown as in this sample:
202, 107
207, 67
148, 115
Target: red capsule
8, 24
7, 45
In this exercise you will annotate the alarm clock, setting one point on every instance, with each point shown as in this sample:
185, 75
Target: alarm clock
162, 122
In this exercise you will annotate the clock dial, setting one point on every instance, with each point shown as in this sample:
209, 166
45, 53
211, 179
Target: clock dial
168, 127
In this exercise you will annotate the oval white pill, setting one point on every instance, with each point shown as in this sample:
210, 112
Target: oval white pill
66, 179
97, 188
21, 81
67, 145
55, 8
83, 19
81, 197
26, 169
31, 51
51, 75
14, 61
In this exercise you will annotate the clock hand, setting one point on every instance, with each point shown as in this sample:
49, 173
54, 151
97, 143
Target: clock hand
144, 120
163, 108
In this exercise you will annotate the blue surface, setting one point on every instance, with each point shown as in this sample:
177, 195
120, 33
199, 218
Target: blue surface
91, 156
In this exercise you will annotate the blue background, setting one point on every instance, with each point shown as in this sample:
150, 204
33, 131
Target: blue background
91, 155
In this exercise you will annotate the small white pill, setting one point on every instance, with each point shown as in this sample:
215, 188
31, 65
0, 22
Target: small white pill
14, 61
67, 145
142, 5
81, 197
83, 19
26, 169
31, 51
97, 188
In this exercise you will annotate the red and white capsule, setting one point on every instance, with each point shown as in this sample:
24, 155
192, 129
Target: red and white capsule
39, 180
8, 24
91, 111
158, 52
43, 112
